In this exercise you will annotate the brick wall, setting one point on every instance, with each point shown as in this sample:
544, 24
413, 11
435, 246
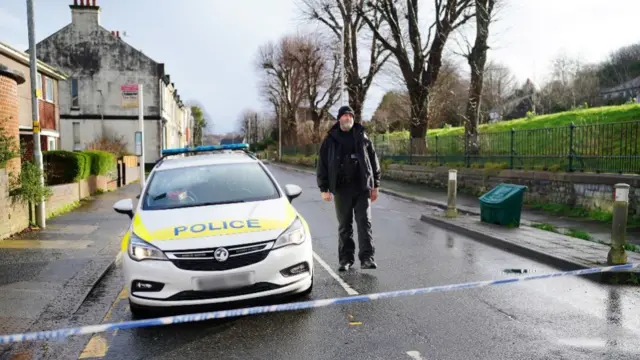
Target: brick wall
14, 217
592, 191
10, 111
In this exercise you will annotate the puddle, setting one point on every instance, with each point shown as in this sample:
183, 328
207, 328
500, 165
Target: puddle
517, 271
588, 343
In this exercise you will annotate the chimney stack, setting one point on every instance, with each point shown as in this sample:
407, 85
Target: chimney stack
85, 14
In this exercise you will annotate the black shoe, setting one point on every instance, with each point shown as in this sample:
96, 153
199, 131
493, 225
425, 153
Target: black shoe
369, 264
345, 266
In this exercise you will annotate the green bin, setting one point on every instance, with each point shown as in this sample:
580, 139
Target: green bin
502, 205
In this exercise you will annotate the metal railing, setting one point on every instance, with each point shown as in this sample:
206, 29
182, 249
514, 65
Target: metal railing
599, 148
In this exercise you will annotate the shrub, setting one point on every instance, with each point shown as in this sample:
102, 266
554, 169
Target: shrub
65, 167
86, 165
8, 148
110, 143
27, 187
102, 162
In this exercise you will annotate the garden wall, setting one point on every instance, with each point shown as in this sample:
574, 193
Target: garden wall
592, 191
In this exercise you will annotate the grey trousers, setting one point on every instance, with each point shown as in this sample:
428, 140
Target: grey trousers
347, 204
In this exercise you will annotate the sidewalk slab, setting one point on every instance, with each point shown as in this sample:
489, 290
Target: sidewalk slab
46, 275
561, 251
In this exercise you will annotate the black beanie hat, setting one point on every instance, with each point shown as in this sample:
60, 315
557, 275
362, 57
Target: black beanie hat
344, 110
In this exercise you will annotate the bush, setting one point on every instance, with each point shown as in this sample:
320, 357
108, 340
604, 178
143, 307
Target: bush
8, 148
65, 167
86, 165
102, 162
28, 188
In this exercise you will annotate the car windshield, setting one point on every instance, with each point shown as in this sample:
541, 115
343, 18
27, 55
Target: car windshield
208, 185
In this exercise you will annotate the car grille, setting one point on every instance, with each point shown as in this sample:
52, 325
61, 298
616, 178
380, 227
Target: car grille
204, 260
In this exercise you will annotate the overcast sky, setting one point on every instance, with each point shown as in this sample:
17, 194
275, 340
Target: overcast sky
209, 46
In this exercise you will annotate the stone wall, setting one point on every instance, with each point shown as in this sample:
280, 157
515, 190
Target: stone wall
592, 191
14, 217
67, 194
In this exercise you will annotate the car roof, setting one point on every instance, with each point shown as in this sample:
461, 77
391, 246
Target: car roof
216, 158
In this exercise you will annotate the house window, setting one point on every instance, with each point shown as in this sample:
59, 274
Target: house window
49, 89
74, 93
52, 144
76, 136
39, 85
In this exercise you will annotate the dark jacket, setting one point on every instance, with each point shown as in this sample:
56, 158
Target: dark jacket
329, 160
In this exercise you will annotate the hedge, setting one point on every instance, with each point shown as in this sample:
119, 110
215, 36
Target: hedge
102, 162
65, 167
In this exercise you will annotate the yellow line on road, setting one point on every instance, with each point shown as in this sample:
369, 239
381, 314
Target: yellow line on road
98, 345
45, 244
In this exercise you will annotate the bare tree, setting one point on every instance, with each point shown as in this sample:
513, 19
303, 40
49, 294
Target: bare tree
283, 82
321, 73
477, 58
345, 22
499, 84
248, 123
419, 62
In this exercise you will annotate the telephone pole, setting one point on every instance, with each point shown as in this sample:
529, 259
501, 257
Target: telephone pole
37, 152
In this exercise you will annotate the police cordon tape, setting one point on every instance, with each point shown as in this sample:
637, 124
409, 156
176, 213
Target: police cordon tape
179, 319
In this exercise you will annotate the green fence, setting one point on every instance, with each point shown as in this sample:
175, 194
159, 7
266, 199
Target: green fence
609, 148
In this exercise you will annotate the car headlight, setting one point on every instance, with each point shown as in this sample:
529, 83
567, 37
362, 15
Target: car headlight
294, 235
141, 250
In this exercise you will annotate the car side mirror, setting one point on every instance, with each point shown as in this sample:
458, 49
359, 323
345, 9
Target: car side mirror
124, 206
292, 191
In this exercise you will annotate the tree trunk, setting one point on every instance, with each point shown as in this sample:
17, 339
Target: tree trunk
477, 59
419, 116
473, 107
356, 101
316, 118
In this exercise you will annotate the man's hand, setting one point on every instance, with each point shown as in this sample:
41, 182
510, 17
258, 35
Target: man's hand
326, 196
374, 194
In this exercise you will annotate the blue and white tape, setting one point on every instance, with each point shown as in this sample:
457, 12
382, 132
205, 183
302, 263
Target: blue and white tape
61, 333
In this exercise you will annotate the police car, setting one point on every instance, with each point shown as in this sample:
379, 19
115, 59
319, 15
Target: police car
213, 228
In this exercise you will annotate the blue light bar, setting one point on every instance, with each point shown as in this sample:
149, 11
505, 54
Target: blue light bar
206, 148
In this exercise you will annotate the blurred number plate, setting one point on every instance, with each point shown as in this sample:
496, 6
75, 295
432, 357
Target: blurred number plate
230, 281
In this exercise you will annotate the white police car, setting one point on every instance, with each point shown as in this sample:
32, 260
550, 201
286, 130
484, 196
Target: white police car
213, 228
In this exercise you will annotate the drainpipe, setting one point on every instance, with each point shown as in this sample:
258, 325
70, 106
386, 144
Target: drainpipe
161, 130
101, 112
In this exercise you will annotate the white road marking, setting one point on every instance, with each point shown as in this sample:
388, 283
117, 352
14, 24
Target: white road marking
415, 355
342, 283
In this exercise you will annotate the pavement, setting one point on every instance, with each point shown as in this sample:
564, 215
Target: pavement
469, 204
556, 318
47, 275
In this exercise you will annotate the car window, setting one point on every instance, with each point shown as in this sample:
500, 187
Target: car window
208, 185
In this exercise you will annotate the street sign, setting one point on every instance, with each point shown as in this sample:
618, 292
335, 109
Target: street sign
138, 143
36, 127
129, 96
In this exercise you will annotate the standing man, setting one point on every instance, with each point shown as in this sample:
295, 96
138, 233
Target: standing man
348, 168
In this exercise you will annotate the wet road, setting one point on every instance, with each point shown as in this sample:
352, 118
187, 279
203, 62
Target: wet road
565, 318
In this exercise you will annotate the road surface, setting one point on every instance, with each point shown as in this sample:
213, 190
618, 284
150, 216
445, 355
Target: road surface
564, 318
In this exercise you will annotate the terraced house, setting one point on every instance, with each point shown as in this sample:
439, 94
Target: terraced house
99, 62
47, 81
